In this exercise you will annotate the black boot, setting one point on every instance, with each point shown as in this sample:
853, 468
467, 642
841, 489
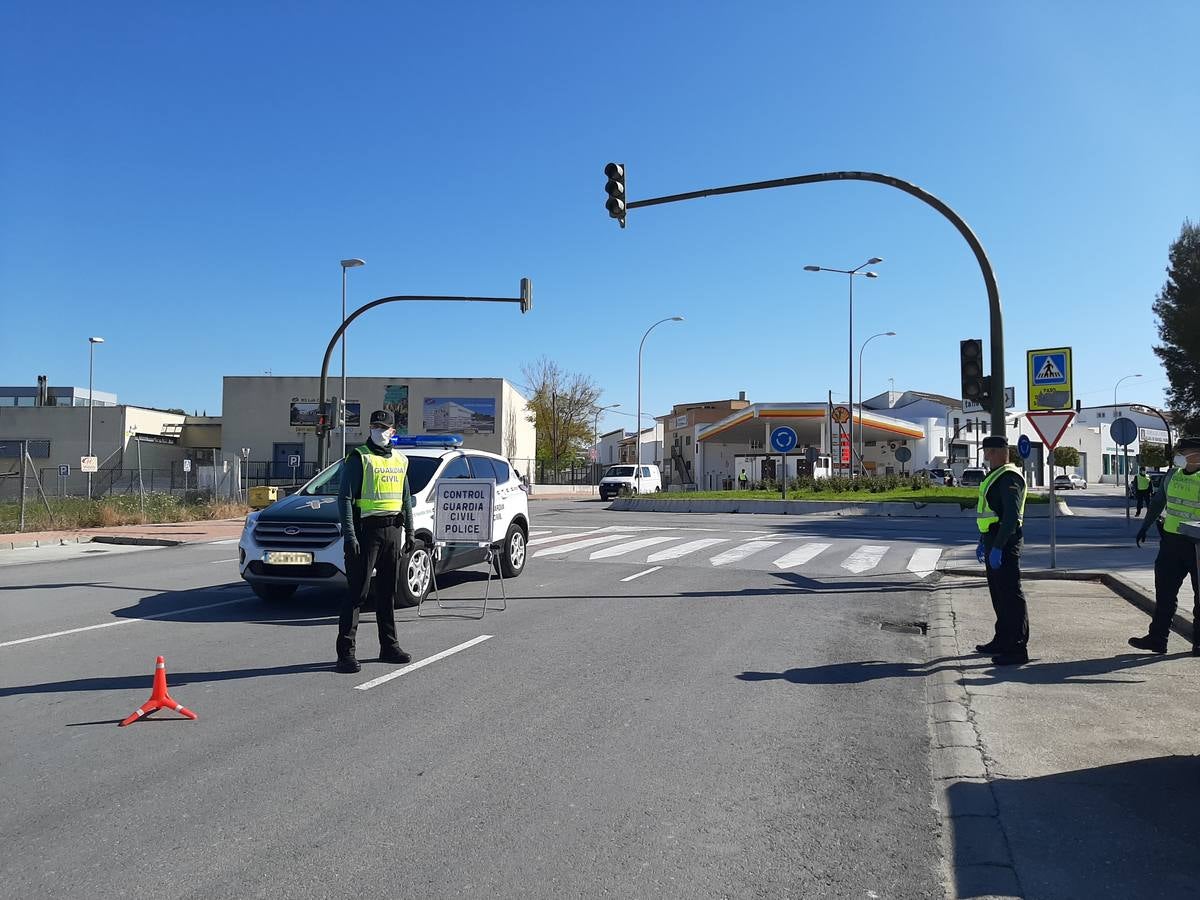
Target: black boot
394, 654
1011, 658
1195, 649
992, 646
346, 662
1148, 643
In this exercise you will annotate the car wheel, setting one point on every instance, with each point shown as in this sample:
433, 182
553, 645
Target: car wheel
416, 577
511, 561
273, 593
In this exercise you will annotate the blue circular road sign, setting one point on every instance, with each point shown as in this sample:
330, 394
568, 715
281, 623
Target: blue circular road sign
783, 439
1024, 447
1123, 430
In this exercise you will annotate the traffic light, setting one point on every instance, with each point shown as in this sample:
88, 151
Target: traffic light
615, 188
526, 295
974, 382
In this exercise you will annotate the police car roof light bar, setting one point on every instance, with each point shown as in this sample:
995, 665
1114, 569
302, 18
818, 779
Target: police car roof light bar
427, 440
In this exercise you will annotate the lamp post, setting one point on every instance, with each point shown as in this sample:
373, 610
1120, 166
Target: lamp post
850, 273
596, 433
92, 342
1117, 385
860, 382
638, 424
346, 264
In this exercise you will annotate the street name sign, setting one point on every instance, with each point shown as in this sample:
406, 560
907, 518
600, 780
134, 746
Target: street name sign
1010, 402
1050, 383
462, 512
1050, 426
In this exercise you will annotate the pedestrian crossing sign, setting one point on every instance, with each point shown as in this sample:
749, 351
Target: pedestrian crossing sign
1050, 386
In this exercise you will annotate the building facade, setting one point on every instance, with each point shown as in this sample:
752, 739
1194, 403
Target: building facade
679, 436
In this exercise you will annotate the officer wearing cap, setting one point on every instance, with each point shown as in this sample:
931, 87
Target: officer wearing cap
1000, 511
1178, 501
375, 507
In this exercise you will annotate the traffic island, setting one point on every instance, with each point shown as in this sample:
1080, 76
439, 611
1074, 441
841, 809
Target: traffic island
680, 503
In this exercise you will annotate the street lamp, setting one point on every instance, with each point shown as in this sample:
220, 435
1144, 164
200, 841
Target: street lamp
857, 270
638, 425
596, 433
92, 342
346, 264
1117, 385
860, 382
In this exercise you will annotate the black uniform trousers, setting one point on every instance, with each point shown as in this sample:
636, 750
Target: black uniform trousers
380, 540
1008, 599
1143, 499
1176, 560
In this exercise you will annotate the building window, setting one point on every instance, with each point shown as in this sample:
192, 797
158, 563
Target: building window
756, 444
12, 449
941, 445
689, 440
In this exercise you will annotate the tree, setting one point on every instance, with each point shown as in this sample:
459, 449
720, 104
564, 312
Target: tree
561, 408
1066, 457
1153, 456
1178, 311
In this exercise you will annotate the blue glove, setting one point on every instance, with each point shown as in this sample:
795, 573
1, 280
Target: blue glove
995, 558
979, 553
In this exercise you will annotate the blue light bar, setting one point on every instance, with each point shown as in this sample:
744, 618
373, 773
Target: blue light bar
446, 441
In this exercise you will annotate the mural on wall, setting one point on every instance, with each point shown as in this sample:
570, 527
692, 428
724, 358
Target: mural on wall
460, 415
304, 413
395, 401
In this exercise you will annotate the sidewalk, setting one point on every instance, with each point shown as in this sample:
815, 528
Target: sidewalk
1072, 776
168, 533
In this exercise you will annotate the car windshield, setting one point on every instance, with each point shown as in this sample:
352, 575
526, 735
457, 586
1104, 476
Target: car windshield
326, 484
619, 472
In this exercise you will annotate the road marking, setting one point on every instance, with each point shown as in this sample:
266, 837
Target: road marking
226, 541
800, 555
741, 551
539, 533
375, 682
640, 574
630, 546
684, 549
864, 558
562, 537
215, 561
582, 545
924, 561
164, 615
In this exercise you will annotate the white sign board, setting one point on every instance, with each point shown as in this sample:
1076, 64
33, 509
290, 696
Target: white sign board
87, 464
1010, 402
462, 511
1152, 436
187, 465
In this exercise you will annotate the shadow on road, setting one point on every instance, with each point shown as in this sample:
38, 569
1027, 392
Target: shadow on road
134, 682
1124, 830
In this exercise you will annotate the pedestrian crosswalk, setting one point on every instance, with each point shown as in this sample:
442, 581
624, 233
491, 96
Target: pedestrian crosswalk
762, 550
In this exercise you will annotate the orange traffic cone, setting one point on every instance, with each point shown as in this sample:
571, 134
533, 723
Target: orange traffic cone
159, 698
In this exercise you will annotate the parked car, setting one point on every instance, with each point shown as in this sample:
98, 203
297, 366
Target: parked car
972, 477
618, 477
1069, 482
1156, 480
298, 540
935, 476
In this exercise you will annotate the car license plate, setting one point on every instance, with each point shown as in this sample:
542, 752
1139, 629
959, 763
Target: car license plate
287, 558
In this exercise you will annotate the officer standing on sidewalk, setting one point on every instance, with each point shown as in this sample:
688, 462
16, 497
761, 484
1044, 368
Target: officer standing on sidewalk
1000, 511
1179, 499
1141, 486
374, 501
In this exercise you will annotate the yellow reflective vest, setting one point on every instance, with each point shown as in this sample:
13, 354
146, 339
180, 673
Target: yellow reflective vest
985, 518
1142, 482
382, 484
1183, 500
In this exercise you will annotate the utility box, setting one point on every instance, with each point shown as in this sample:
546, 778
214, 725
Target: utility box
263, 496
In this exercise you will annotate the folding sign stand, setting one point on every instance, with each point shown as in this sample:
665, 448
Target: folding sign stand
462, 517
492, 561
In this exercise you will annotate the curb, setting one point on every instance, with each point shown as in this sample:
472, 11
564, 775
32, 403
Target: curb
135, 541
1122, 587
55, 542
872, 508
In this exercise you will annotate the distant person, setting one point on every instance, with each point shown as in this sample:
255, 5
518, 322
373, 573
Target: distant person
375, 507
743, 480
1179, 499
999, 512
1141, 485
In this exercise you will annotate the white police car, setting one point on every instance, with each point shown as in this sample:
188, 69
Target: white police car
297, 541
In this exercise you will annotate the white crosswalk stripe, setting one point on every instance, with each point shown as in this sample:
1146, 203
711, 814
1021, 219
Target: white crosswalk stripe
684, 549
582, 545
741, 551
538, 533
629, 547
864, 558
924, 561
562, 537
800, 555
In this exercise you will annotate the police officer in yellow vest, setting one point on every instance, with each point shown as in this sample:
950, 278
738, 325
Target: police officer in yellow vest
1141, 487
1178, 500
1000, 511
374, 502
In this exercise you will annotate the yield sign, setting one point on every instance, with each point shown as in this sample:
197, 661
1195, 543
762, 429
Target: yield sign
1050, 425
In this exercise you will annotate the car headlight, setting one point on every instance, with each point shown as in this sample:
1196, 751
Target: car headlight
250, 520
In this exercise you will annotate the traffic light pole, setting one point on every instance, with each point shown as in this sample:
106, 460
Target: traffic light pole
323, 427
985, 267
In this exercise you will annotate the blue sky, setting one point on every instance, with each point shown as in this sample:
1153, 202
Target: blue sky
183, 180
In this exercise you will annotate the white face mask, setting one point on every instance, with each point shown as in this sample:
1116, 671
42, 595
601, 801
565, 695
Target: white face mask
381, 437
1181, 460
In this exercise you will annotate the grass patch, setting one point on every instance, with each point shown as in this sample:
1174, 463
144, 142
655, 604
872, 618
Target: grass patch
79, 512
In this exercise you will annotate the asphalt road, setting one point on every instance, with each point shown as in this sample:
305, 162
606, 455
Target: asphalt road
703, 724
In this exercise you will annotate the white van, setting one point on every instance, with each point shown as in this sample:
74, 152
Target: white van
627, 476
